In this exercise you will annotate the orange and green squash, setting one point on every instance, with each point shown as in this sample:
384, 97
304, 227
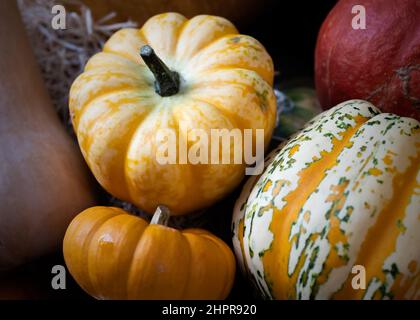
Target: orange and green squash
343, 192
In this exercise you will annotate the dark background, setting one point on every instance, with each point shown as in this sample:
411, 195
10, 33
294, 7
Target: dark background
288, 30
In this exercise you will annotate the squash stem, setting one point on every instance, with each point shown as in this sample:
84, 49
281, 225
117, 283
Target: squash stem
161, 216
166, 81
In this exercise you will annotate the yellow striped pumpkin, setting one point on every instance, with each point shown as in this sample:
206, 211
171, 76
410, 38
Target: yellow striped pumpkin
222, 80
343, 192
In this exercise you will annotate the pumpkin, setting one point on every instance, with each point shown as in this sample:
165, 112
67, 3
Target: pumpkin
342, 194
380, 64
203, 75
115, 255
44, 180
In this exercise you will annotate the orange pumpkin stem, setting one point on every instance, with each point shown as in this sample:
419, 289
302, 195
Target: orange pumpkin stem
161, 216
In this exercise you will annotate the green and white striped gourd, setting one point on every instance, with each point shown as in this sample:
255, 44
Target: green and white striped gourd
343, 192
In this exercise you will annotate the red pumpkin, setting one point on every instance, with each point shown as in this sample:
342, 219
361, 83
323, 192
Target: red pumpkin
380, 63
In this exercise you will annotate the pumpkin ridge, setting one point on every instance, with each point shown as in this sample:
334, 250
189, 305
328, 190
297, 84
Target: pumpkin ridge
91, 266
136, 73
339, 203
205, 81
326, 161
128, 268
108, 44
109, 112
228, 255
194, 174
178, 34
119, 54
379, 128
196, 170
129, 186
188, 272
238, 122
264, 71
157, 234
143, 37
76, 114
338, 199
162, 31
202, 49
193, 171
157, 111
257, 87
131, 268
106, 60
84, 279
121, 144
125, 167
205, 23
404, 185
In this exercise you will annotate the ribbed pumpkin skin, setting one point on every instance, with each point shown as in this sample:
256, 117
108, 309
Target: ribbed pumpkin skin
115, 255
226, 83
344, 191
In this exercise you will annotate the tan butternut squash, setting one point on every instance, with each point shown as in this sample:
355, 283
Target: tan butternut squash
43, 179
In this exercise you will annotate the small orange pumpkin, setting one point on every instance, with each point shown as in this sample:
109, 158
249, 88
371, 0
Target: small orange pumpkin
115, 255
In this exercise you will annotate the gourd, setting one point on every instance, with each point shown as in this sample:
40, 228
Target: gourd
343, 193
115, 255
380, 63
172, 74
44, 182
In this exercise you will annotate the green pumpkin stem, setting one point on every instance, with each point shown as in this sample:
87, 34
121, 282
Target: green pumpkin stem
166, 81
161, 216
